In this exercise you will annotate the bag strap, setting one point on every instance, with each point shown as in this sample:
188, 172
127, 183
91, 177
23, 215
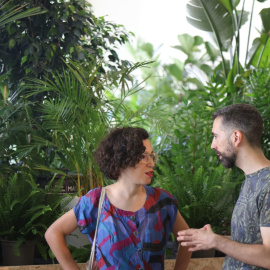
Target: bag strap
101, 199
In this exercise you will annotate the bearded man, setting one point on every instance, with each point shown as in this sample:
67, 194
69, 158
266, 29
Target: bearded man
237, 133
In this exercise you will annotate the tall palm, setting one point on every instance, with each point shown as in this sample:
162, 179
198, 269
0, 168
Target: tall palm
76, 118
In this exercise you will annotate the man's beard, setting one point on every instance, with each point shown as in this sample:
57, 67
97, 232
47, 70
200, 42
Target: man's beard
228, 160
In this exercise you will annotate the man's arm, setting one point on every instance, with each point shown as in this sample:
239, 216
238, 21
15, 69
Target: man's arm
183, 255
205, 238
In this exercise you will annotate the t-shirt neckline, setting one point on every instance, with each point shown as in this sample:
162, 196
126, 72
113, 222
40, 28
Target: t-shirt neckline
125, 212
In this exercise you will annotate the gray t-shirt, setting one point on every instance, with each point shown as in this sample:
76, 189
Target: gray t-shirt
251, 212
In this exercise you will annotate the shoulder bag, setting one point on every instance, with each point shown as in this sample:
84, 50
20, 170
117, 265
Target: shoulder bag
89, 264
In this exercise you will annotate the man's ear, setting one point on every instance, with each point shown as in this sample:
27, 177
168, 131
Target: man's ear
237, 137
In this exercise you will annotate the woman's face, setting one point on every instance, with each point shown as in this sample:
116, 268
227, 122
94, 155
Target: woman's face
143, 171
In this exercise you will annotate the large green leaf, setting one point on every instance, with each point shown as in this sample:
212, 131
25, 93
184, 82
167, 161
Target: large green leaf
265, 16
188, 44
176, 71
211, 16
212, 51
259, 55
230, 5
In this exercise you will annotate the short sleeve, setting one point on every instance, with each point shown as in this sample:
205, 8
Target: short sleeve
264, 206
167, 204
174, 209
86, 211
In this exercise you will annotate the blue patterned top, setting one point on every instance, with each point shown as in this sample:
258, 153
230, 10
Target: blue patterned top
129, 240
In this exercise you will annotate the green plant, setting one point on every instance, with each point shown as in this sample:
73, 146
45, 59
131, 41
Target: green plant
206, 191
223, 20
73, 121
170, 86
15, 13
81, 255
204, 196
255, 89
26, 211
15, 127
38, 48
34, 46
68, 31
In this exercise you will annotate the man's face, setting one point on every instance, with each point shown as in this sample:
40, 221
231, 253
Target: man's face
222, 144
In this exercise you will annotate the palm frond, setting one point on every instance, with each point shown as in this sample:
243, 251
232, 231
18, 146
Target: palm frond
16, 12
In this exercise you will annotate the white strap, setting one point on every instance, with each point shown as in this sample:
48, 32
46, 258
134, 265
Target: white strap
101, 199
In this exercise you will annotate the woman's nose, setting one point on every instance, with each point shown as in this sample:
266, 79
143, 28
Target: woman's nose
151, 163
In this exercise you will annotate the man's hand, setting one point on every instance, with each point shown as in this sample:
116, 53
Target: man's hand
197, 239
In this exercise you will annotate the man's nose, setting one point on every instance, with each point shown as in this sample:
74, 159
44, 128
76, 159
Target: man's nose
213, 145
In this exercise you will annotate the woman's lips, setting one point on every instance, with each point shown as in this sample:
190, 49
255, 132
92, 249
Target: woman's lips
150, 174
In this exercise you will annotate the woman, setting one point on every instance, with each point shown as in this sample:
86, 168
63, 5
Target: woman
136, 220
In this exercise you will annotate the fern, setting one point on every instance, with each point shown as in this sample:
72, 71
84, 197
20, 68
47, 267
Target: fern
204, 196
26, 211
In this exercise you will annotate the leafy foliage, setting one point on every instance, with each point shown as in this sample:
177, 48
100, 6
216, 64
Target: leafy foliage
15, 127
222, 19
81, 255
50, 132
167, 85
73, 122
26, 210
15, 13
204, 197
255, 89
35, 46
205, 190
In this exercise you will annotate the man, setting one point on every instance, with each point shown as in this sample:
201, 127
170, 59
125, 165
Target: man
237, 131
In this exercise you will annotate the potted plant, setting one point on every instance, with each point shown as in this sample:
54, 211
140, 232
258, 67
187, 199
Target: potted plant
26, 211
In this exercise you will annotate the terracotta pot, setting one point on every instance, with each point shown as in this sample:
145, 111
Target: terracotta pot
26, 256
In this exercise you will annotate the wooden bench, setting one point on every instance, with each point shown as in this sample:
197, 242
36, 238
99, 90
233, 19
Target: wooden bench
195, 264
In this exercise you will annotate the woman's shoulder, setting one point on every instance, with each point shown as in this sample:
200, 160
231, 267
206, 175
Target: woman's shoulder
159, 193
92, 196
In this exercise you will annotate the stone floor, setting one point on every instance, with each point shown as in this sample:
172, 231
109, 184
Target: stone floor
195, 264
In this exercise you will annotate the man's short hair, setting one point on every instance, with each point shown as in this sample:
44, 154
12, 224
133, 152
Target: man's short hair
245, 118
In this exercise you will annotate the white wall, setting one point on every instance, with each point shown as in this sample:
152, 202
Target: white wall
158, 21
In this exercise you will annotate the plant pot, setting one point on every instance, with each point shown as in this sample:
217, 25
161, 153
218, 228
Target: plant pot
26, 256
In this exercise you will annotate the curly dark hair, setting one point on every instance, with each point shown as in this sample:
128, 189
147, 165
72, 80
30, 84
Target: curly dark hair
122, 148
244, 117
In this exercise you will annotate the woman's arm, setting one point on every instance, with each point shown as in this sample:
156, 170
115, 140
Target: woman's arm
183, 255
55, 236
